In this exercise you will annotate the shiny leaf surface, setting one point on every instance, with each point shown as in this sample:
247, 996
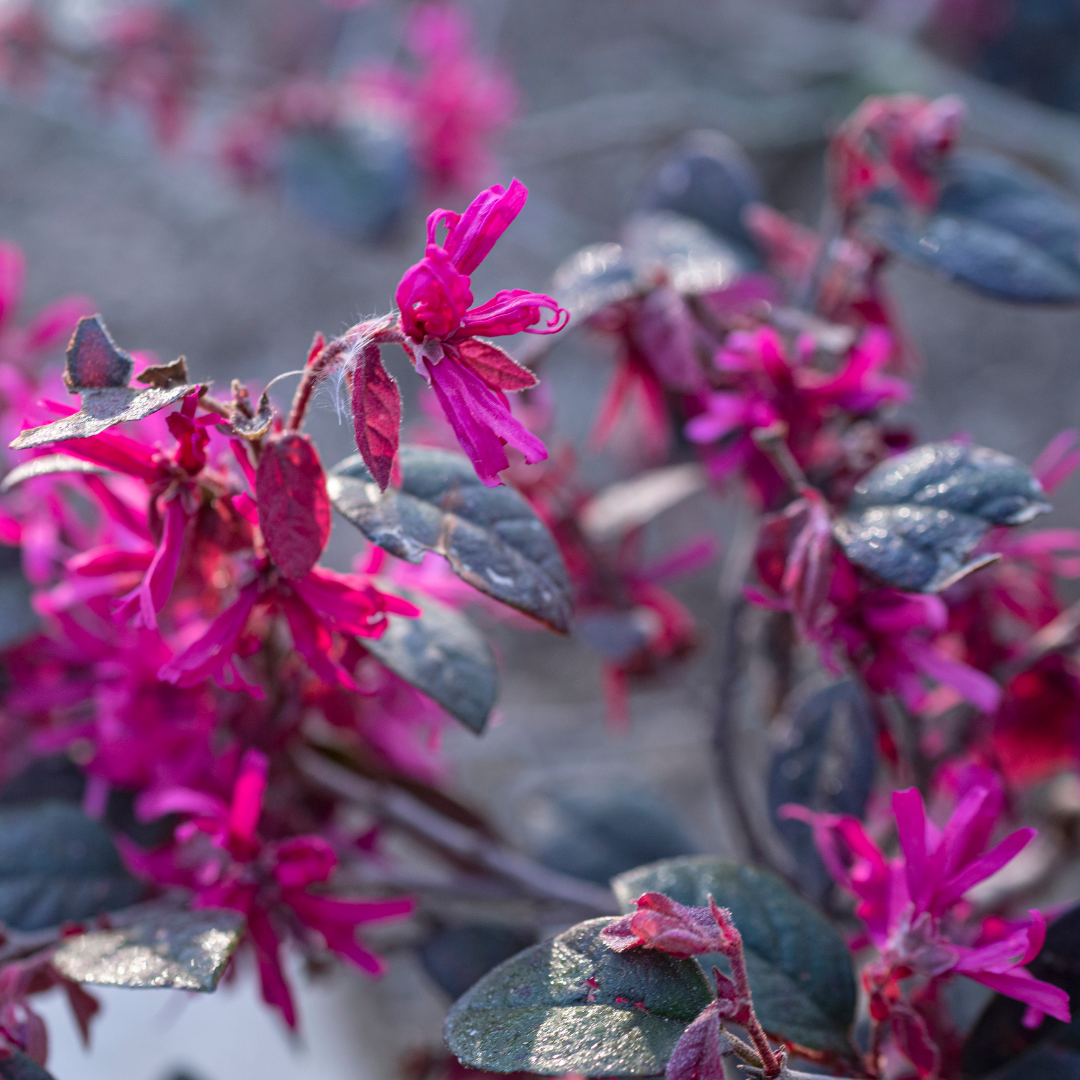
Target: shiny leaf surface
490, 536
799, 967
572, 1005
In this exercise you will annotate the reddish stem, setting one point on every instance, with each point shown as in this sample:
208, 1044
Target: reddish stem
771, 1062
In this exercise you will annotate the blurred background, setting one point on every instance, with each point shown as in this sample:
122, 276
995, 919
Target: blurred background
226, 177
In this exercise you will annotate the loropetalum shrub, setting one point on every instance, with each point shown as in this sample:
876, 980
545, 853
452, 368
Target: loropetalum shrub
211, 734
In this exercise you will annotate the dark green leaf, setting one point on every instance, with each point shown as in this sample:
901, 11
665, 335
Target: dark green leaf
456, 957
710, 179
799, 967
442, 654
997, 229
572, 1005
490, 536
915, 519
56, 865
1000, 1036
21, 1066
827, 764
179, 950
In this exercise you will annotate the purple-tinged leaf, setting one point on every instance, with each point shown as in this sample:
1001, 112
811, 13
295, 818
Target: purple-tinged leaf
490, 536
497, 368
48, 465
376, 408
101, 410
699, 1054
668, 335
294, 509
93, 360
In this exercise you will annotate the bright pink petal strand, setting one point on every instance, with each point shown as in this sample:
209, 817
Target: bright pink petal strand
1023, 986
12, 272
472, 235
247, 799
158, 583
911, 827
511, 311
982, 868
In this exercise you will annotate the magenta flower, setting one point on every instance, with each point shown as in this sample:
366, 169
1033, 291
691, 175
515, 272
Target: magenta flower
470, 376
911, 904
220, 855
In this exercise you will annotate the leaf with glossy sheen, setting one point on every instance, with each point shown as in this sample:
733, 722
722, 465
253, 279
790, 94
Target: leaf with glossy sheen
58, 865
294, 509
997, 228
827, 763
799, 967
443, 655
914, 520
48, 465
178, 950
376, 409
21, 1066
592, 279
490, 536
101, 410
572, 1005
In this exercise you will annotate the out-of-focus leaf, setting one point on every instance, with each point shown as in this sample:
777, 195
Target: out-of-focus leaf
1044, 1061
58, 865
442, 654
593, 278
1000, 1036
21, 1066
997, 228
93, 360
827, 764
617, 635
294, 508
572, 1005
48, 465
630, 504
597, 835
490, 536
354, 180
456, 957
179, 950
683, 251
376, 409
101, 410
798, 965
915, 519
709, 179
17, 616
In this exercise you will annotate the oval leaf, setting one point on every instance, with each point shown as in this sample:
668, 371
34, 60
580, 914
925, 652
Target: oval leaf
997, 229
711, 180
799, 967
443, 655
294, 508
915, 519
57, 865
497, 368
691, 258
48, 465
490, 536
376, 409
93, 360
572, 1005
21, 1066
827, 764
179, 950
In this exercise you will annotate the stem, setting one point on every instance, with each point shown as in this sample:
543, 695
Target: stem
873, 1056
771, 1062
317, 367
772, 442
453, 838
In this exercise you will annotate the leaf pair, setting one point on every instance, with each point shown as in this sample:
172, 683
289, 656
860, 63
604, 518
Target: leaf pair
573, 1005
99, 373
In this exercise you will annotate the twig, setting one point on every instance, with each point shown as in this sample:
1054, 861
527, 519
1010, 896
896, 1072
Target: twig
459, 840
1061, 632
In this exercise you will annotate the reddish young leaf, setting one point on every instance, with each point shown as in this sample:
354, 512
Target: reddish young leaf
376, 406
294, 509
699, 1053
93, 360
497, 368
914, 1041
